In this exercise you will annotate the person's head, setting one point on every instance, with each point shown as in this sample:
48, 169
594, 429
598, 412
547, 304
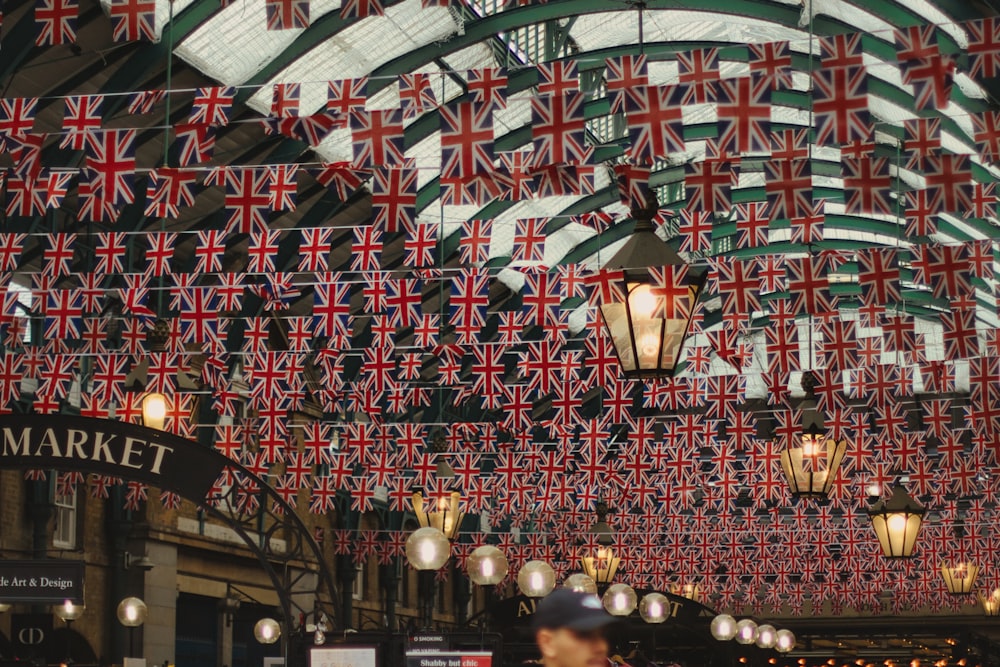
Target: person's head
569, 629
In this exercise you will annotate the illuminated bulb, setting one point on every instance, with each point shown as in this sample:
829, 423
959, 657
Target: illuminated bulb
874, 489
642, 301
487, 569
154, 410
537, 580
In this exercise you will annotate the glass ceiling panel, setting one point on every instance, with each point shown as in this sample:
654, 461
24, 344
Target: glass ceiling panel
608, 29
234, 44
362, 47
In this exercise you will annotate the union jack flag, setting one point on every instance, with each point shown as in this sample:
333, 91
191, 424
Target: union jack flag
359, 9
915, 42
474, 243
212, 105
808, 227
513, 176
559, 180
840, 105
285, 100
529, 240
466, 139
111, 158
93, 204
132, 20
394, 198
655, 120
923, 137
377, 137
314, 251
633, 184
283, 185
558, 129
772, 62
695, 230
984, 47
63, 314
144, 101
194, 143
17, 116
261, 250
347, 95
808, 285
700, 70
623, 75
248, 198
949, 179
342, 177
110, 253
367, 248
25, 196
842, 50
788, 184
416, 94
558, 77
867, 185
751, 224
987, 134
57, 21
931, 78
488, 86
708, 184
287, 14
744, 111
81, 119
789, 144
168, 190
878, 275
419, 246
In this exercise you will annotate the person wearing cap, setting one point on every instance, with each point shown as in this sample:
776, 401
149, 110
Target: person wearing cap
569, 629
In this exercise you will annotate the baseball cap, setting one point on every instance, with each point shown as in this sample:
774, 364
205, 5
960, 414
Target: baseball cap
566, 608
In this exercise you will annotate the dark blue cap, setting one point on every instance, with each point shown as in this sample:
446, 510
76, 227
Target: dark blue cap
566, 608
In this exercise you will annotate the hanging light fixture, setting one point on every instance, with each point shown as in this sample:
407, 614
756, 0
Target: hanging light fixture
649, 322
602, 563
959, 573
654, 608
723, 627
154, 410
536, 579
811, 468
486, 565
442, 512
959, 576
897, 522
620, 600
991, 602
784, 640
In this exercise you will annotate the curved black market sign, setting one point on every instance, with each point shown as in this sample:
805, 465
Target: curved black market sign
106, 447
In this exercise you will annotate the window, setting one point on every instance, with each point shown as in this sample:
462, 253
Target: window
64, 535
360, 579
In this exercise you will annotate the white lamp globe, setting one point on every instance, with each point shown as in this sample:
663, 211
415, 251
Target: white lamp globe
723, 627
267, 631
132, 612
767, 636
746, 631
581, 583
427, 549
620, 599
486, 565
536, 579
654, 608
785, 641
